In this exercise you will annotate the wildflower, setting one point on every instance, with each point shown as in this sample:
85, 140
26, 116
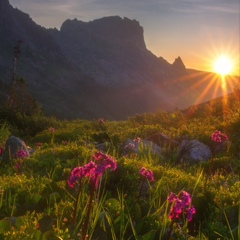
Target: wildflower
21, 154
77, 174
173, 197
18, 166
186, 198
92, 170
217, 136
1, 151
129, 146
39, 144
181, 206
106, 162
52, 130
137, 140
64, 142
190, 211
99, 156
148, 174
101, 121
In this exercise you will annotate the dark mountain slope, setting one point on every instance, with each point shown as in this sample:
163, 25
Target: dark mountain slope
93, 69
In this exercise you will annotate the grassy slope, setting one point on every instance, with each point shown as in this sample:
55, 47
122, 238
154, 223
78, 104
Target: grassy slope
40, 188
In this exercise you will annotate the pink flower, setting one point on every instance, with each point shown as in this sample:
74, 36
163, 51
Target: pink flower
39, 144
52, 130
99, 156
101, 121
21, 154
217, 136
129, 146
181, 206
137, 140
1, 151
77, 174
173, 197
18, 166
92, 170
147, 174
190, 211
186, 198
64, 142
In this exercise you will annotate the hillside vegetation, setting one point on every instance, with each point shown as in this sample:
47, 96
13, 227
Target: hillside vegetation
119, 195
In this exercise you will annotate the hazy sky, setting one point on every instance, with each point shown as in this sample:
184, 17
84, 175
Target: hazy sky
196, 30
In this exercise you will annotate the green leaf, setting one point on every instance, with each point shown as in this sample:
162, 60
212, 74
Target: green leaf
113, 205
51, 236
149, 236
53, 197
36, 197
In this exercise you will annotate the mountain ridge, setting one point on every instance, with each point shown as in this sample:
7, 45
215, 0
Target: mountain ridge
100, 68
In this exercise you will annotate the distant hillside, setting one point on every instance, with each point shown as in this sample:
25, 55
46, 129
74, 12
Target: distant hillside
100, 68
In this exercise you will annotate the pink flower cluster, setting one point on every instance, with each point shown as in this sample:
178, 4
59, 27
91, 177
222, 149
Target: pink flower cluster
101, 121
148, 174
217, 136
21, 154
181, 205
39, 144
137, 140
92, 170
52, 130
129, 146
1, 151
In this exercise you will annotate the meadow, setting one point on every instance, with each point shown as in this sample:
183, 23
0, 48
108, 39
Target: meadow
68, 189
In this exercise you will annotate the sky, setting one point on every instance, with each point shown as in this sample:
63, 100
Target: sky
196, 30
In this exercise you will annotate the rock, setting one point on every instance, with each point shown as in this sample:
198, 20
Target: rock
163, 141
139, 146
193, 152
103, 147
12, 146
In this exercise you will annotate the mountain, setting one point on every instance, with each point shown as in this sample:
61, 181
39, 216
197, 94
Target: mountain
100, 68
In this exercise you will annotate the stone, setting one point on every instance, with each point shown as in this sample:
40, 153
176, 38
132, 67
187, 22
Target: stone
163, 141
12, 146
193, 152
103, 147
139, 146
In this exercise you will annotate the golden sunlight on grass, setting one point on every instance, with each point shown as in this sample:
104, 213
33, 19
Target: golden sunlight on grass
223, 65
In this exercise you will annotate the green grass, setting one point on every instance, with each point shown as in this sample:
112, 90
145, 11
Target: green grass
39, 193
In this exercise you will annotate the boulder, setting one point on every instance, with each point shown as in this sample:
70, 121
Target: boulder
163, 141
12, 146
193, 152
103, 147
140, 146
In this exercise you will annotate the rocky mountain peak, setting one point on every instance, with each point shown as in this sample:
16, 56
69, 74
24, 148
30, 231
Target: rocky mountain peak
179, 65
113, 28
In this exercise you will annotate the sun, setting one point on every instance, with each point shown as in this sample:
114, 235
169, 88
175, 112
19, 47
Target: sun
223, 65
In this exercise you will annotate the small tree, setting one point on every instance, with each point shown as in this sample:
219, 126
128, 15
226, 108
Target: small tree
20, 100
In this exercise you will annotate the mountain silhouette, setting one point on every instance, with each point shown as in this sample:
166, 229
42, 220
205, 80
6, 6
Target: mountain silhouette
100, 68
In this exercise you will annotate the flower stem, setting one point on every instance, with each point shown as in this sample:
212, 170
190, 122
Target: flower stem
77, 203
170, 230
85, 225
140, 190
